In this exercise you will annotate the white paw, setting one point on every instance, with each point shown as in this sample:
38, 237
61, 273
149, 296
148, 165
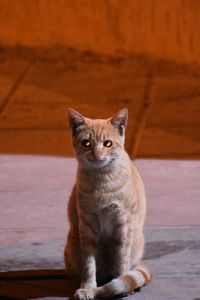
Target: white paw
84, 294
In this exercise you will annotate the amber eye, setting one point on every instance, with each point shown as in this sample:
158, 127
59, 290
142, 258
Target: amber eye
107, 143
86, 143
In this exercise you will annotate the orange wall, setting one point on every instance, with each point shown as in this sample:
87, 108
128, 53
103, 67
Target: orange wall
168, 29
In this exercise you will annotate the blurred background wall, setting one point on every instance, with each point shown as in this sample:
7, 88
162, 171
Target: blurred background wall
97, 57
167, 29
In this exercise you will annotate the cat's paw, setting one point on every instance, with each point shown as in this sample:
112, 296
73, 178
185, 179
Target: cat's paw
84, 294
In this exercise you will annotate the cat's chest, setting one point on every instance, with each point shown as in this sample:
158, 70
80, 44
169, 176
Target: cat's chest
109, 205
102, 190
107, 218
106, 225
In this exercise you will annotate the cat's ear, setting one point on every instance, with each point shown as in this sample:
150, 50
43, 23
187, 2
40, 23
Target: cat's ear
76, 120
120, 120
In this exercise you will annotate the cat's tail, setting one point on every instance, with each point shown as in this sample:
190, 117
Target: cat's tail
125, 284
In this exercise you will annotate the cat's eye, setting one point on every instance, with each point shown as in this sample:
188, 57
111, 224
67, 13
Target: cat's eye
86, 143
107, 143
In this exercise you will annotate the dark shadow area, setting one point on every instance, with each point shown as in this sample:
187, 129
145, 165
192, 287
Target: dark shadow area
36, 284
158, 249
7, 298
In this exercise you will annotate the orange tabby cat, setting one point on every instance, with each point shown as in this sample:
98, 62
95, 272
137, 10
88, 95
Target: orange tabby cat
106, 211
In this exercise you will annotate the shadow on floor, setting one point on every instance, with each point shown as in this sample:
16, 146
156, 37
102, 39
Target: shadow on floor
36, 284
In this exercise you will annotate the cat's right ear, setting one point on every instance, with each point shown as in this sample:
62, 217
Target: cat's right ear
76, 120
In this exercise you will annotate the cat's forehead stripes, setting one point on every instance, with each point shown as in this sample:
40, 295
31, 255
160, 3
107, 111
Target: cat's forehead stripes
98, 129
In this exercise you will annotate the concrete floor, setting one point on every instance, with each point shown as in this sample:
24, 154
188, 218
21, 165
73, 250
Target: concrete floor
37, 175
34, 193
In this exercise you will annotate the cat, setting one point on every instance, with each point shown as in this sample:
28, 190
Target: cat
106, 211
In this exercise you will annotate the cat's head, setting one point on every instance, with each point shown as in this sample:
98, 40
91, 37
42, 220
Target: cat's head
98, 143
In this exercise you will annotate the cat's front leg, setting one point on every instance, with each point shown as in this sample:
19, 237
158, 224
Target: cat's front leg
89, 243
122, 241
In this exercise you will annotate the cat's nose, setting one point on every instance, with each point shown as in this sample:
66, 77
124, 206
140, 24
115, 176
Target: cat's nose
97, 155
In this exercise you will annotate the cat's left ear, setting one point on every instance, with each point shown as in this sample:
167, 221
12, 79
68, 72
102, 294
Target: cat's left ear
76, 120
120, 120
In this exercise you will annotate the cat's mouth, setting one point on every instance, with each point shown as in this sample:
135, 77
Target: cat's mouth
97, 160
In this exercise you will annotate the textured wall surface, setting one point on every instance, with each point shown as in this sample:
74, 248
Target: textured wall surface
167, 29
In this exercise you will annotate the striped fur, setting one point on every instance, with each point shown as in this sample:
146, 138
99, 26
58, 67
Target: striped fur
106, 211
